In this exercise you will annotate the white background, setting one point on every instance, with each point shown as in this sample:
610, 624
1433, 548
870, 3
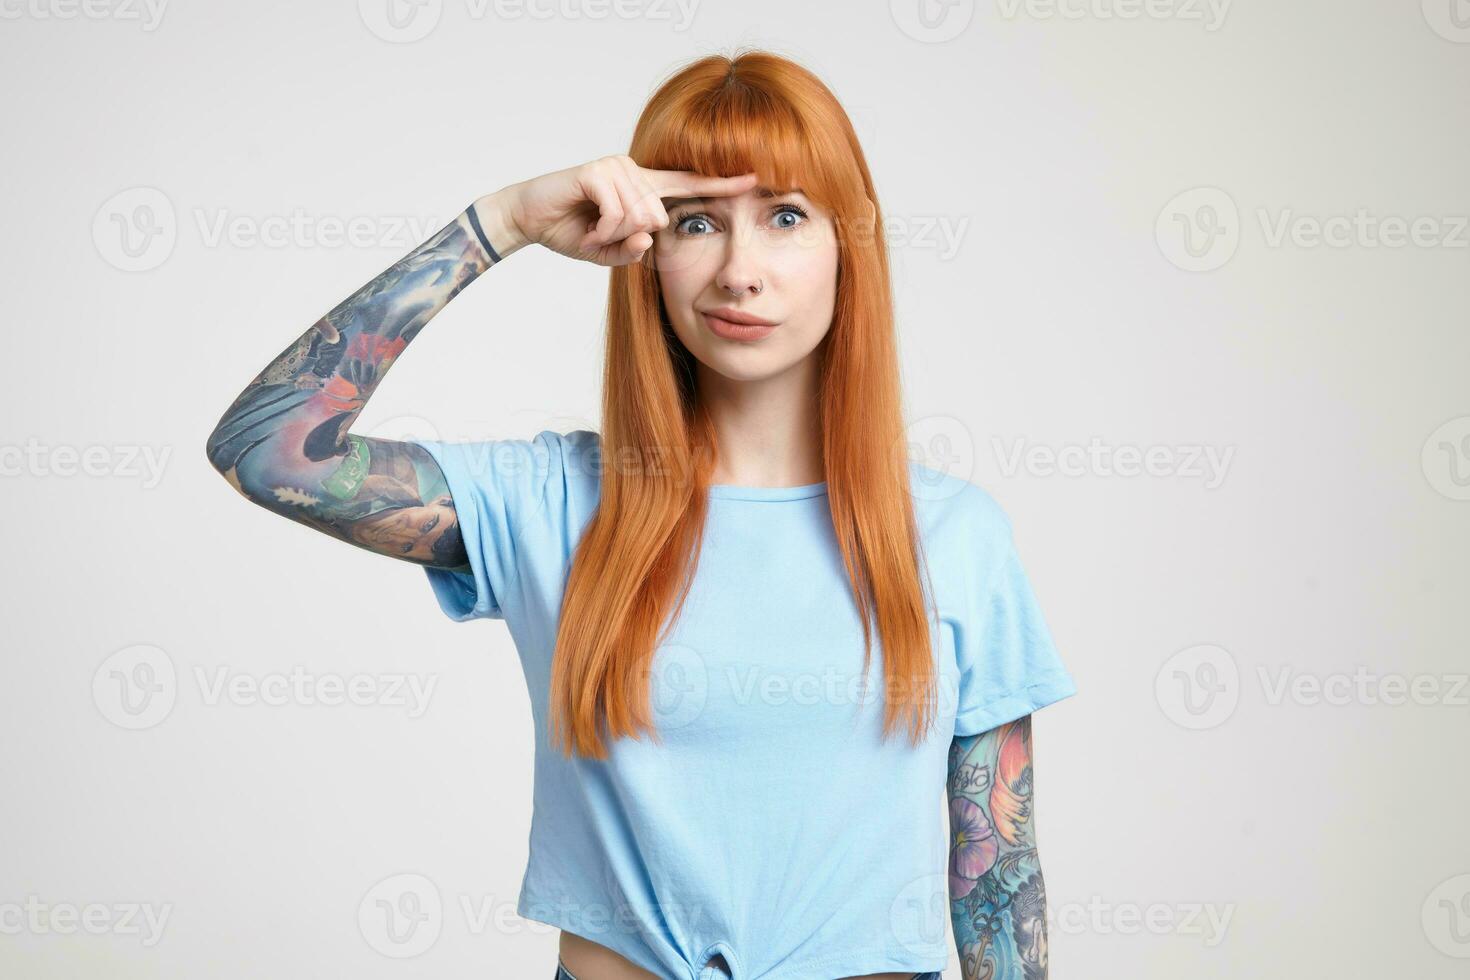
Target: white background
1052, 146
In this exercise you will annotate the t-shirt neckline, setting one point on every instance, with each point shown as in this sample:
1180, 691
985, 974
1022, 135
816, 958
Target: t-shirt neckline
731, 491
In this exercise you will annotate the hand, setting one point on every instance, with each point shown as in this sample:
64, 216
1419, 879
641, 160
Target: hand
606, 211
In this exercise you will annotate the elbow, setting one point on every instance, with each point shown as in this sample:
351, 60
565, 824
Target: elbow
223, 456
216, 449
211, 449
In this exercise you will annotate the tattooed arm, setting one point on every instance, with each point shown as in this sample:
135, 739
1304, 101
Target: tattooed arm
284, 442
997, 898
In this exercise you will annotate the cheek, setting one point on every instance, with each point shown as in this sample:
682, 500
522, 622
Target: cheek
809, 279
811, 254
674, 289
685, 266
680, 288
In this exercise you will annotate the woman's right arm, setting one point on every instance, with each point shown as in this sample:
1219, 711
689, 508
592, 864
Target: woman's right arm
284, 441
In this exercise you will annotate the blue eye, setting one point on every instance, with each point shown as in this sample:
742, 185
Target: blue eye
692, 217
680, 226
790, 209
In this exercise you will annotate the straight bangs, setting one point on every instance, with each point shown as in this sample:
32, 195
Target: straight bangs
736, 129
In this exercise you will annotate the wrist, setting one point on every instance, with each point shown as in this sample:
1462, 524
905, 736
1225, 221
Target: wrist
495, 218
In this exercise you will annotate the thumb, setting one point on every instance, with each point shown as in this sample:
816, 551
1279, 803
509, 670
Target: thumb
628, 250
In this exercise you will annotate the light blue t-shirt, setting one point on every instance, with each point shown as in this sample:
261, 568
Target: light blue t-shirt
773, 826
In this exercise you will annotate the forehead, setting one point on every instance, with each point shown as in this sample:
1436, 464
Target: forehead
757, 192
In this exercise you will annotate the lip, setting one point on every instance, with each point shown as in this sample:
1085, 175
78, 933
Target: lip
732, 315
735, 325
737, 331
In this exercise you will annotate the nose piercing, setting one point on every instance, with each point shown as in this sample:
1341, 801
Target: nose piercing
760, 284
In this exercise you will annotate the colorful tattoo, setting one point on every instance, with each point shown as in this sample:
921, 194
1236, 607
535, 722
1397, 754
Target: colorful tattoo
997, 898
284, 443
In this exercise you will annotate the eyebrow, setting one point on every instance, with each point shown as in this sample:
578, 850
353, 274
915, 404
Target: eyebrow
759, 192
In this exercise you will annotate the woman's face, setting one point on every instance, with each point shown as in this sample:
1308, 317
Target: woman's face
768, 254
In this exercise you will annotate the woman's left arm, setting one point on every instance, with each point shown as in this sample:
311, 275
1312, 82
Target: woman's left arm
997, 898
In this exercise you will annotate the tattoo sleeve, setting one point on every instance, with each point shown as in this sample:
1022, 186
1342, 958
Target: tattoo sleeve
997, 898
284, 442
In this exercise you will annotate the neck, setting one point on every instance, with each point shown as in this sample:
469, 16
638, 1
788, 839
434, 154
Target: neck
768, 430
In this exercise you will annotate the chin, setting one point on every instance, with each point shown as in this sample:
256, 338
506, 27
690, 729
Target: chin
747, 365
747, 362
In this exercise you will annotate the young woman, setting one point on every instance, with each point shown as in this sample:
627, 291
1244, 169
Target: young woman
756, 636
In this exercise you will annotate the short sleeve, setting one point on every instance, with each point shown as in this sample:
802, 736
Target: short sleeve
498, 486
1009, 666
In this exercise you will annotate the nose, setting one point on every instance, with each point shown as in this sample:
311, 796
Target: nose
740, 271
738, 280
740, 289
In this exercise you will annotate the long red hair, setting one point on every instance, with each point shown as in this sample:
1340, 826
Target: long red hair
633, 566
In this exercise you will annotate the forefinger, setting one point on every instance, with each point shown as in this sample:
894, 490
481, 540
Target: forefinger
686, 183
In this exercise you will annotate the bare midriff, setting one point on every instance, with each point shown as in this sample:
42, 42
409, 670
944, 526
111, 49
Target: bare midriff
588, 960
